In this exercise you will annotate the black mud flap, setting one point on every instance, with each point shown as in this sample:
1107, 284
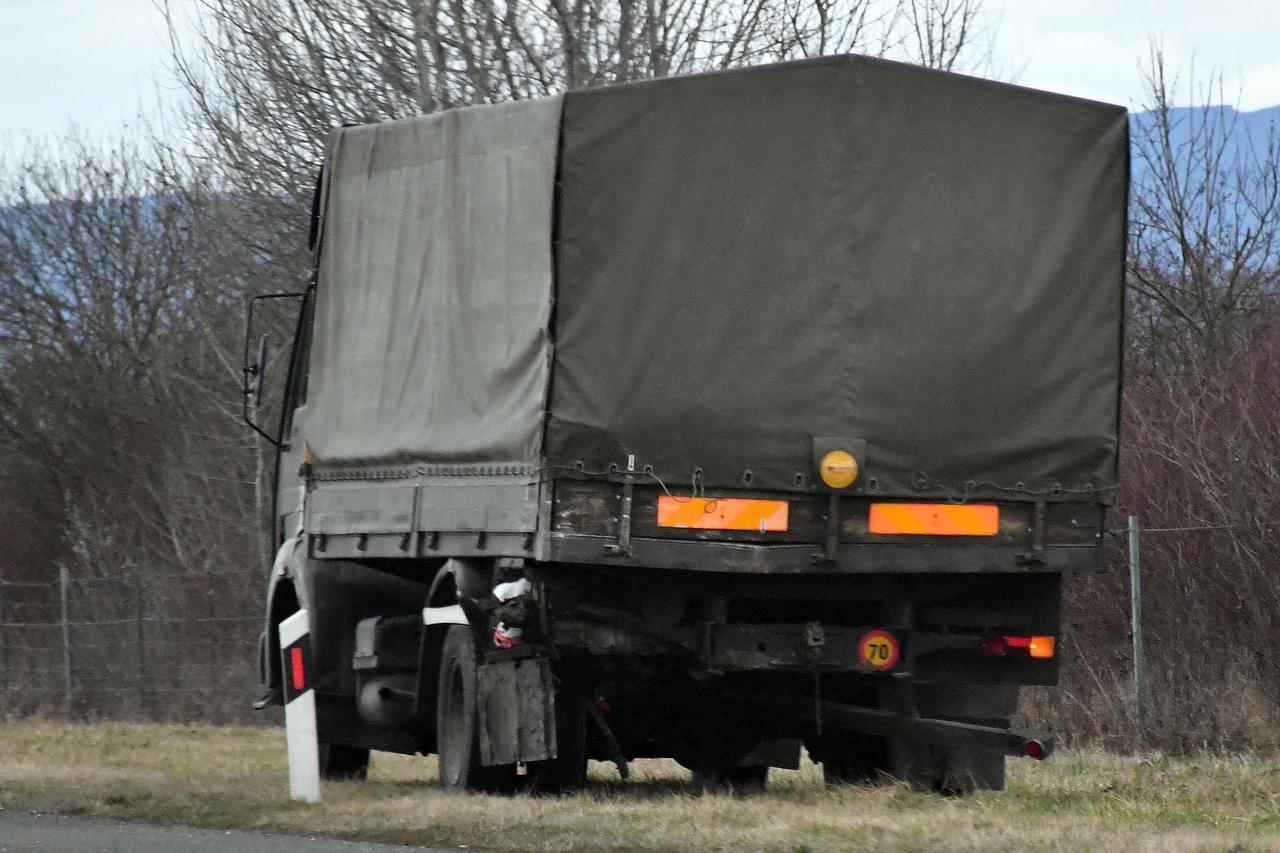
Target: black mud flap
517, 712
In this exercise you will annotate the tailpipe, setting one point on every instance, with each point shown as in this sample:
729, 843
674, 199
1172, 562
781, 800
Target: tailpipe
388, 701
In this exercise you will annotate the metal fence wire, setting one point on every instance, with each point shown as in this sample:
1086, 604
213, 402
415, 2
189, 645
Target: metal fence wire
132, 645
183, 646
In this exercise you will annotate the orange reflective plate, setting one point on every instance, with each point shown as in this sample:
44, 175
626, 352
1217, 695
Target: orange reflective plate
722, 514
935, 519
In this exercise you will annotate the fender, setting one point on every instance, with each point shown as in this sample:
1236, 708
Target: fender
460, 578
455, 580
336, 594
288, 590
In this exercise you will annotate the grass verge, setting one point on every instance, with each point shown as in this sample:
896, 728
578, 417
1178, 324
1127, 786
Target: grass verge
237, 777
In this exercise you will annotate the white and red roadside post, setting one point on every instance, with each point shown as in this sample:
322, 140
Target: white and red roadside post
300, 708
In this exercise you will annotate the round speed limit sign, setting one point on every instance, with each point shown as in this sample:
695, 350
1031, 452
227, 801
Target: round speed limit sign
878, 650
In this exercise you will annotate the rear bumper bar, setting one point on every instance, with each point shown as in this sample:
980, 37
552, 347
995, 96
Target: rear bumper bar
873, 721
851, 558
1015, 742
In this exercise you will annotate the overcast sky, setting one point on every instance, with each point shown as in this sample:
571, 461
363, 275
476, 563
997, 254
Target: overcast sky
97, 62
1092, 48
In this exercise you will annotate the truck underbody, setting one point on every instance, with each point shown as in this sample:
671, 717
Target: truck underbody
729, 666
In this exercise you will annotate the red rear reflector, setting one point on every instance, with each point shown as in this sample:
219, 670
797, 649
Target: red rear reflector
995, 647
295, 663
935, 519
1037, 647
1035, 750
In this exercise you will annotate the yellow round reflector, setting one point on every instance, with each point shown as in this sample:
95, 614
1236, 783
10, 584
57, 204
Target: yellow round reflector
838, 469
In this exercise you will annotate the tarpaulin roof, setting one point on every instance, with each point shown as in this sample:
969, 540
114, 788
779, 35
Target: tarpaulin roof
847, 248
923, 263
434, 292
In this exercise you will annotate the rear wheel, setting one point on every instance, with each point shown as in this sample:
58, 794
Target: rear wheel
339, 761
856, 759
457, 731
952, 769
955, 768
739, 781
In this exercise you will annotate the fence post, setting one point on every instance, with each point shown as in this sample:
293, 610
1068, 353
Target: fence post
64, 590
4, 646
140, 637
1135, 615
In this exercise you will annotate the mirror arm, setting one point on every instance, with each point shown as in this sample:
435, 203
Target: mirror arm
254, 374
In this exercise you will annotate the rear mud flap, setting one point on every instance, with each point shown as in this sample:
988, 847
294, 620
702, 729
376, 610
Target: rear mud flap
517, 712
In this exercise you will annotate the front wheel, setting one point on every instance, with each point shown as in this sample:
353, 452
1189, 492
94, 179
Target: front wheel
457, 730
342, 762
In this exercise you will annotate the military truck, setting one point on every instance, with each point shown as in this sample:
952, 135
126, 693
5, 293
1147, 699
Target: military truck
707, 418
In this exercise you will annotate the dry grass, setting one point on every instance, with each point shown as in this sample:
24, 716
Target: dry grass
236, 777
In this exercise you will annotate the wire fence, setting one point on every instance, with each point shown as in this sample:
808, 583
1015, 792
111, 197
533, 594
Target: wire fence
1134, 533
183, 646
142, 645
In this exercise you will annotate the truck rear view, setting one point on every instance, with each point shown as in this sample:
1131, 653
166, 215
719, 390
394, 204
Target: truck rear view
704, 418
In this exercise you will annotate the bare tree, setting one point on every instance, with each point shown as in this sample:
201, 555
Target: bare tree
1200, 438
100, 267
119, 332
947, 34
268, 79
1205, 245
488, 51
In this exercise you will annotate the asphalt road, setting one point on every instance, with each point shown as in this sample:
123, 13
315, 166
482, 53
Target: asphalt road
24, 832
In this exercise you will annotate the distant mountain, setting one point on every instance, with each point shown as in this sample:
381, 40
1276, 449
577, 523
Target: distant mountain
1251, 126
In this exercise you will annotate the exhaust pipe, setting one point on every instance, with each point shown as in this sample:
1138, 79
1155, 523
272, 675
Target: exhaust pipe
388, 701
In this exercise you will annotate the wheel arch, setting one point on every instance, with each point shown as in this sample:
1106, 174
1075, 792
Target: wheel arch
456, 579
288, 591
460, 578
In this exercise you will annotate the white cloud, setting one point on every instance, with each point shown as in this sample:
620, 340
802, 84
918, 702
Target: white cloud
1093, 48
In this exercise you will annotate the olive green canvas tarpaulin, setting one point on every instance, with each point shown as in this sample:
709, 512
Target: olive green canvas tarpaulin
707, 273
846, 248
434, 290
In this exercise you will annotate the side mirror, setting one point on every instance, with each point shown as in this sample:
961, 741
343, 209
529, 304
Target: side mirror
255, 372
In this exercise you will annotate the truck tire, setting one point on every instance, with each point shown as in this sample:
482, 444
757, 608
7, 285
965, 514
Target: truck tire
946, 769
868, 759
973, 770
341, 762
567, 772
857, 759
959, 768
457, 732
739, 781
